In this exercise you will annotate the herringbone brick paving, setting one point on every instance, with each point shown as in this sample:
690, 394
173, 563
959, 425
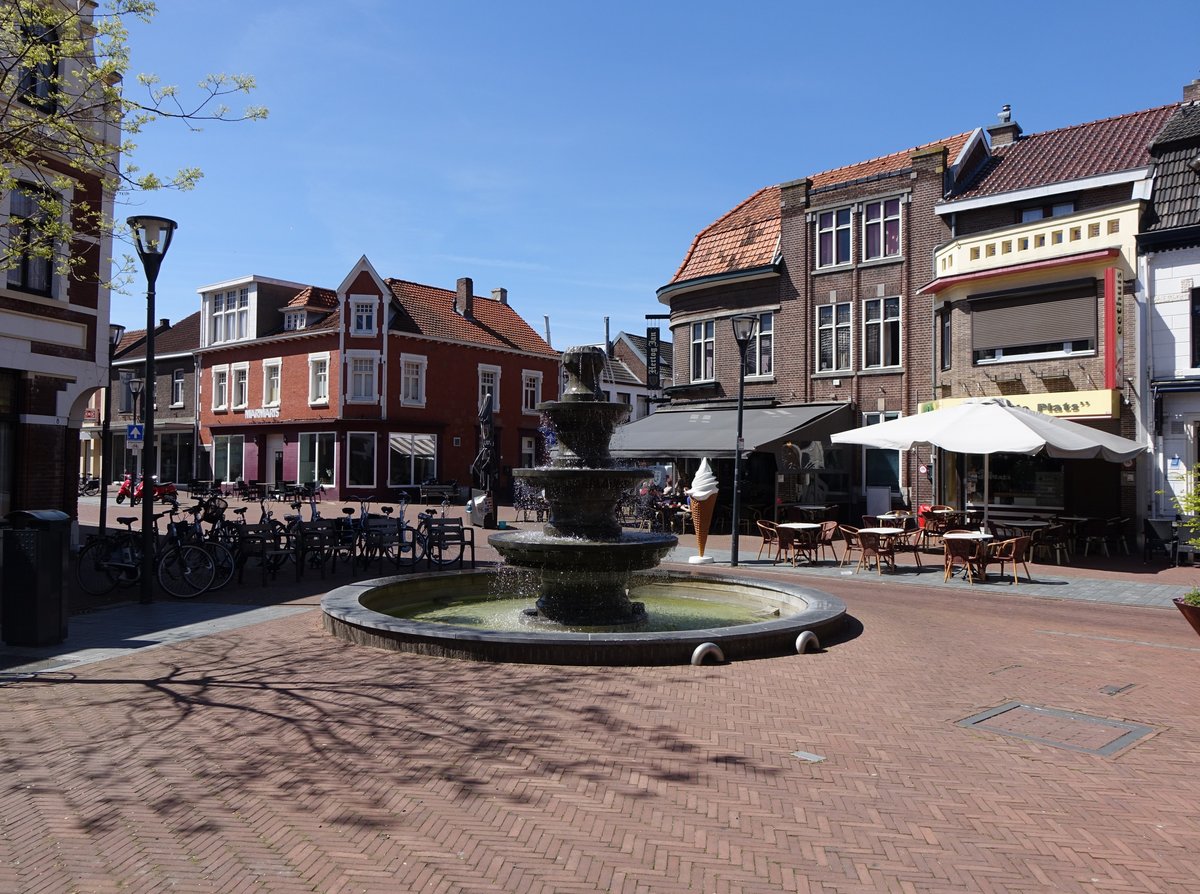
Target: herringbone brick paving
275, 758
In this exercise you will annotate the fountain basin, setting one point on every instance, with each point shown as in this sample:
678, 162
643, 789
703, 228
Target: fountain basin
356, 613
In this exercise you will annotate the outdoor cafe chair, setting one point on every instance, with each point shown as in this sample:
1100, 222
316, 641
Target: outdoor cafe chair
850, 535
1115, 534
1094, 533
877, 547
806, 544
825, 538
786, 545
962, 553
1053, 542
1014, 551
910, 542
770, 537
1159, 538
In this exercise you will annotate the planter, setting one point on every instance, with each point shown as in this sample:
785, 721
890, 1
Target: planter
1191, 612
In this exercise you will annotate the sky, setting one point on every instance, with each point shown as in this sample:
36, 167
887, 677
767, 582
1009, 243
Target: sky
570, 151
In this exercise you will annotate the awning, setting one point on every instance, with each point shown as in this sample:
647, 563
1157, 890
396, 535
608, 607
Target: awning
1164, 386
713, 432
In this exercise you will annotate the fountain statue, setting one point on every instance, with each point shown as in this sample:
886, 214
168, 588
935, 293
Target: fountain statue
584, 557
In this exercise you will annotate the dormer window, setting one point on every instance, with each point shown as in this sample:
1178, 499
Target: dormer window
362, 315
294, 319
230, 316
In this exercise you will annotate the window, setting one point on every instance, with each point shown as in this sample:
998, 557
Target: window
241, 377
1035, 323
412, 458
177, 379
360, 462
833, 237
30, 243
227, 457
703, 341
881, 229
945, 341
294, 319
316, 458
489, 383
124, 392
833, 337
272, 371
230, 315
38, 73
881, 332
318, 378
882, 467
1195, 306
412, 380
220, 387
531, 390
362, 379
759, 351
528, 452
363, 317
1041, 212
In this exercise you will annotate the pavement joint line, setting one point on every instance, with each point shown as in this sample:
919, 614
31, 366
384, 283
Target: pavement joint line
1117, 639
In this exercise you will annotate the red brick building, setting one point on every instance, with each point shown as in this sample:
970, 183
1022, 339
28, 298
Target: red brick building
367, 389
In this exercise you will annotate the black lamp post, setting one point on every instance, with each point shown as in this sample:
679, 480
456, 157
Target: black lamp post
115, 333
743, 331
152, 238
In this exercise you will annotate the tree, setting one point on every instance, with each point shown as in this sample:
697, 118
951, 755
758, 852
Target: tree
68, 125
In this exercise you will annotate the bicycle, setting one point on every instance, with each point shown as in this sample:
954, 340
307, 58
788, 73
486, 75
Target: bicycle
89, 485
224, 561
183, 570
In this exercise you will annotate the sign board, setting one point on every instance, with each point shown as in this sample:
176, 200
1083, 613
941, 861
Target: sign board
653, 379
133, 433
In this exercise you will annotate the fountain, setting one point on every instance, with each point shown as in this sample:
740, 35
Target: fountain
585, 566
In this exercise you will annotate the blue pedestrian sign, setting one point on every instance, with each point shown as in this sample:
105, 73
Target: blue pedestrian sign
133, 433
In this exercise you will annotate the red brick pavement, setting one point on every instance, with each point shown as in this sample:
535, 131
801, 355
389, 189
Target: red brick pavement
275, 758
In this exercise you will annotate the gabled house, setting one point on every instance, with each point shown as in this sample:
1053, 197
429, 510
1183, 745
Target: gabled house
370, 388
1034, 299
1168, 245
626, 375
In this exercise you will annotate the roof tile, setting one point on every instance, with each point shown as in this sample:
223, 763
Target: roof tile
426, 310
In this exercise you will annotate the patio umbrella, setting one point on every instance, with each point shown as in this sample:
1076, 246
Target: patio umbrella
992, 425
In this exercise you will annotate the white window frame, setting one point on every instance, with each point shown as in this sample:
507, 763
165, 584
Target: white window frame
702, 352
232, 443
881, 222
28, 261
178, 380
528, 452
350, 436
272, 365
220, 387
364, 313
239, 372
755, 350
353, 375
294, 320
531, 391
834, 228
884, 323
489, 369
421, 365
834, 327
315, 364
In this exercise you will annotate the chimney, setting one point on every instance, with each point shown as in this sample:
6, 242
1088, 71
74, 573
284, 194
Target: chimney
1191, 92
546, 322
1007, 131
500, 295
607, 340
464, 298
164, 323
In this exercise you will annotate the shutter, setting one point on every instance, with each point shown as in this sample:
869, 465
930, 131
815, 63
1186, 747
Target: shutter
1066, 314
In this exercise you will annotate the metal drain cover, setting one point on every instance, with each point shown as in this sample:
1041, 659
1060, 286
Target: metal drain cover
1061, 729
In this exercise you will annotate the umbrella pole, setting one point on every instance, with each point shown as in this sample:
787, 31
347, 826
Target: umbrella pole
987, 486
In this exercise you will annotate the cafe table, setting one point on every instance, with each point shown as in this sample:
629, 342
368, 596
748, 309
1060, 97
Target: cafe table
801, 526
1028, 524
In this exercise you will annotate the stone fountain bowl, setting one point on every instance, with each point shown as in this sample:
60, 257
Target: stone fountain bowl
355, 613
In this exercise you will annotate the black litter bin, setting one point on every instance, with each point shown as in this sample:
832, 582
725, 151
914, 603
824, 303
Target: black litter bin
33, 562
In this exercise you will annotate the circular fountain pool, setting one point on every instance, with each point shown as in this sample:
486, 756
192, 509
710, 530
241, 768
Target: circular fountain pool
736, 613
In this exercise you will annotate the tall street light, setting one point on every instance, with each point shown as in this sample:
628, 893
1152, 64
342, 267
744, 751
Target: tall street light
744, 327
152, 238
135, 389
115, 333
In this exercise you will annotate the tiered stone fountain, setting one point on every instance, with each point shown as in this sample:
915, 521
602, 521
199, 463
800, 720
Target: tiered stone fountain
585, 567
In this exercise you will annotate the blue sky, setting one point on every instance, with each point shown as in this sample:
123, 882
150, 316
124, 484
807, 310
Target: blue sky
569, 152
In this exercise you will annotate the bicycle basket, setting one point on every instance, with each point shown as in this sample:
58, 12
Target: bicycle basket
214, 510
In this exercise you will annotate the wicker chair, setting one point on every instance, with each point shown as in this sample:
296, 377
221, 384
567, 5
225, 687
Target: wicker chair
826, 538
770, 537
961, 553
1012, 551
910, 542
850, 535
787, 545
877, 547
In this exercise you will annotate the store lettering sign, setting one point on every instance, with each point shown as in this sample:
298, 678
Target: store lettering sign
263, 413
1099, 404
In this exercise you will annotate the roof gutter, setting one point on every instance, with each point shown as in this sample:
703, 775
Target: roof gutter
1038, 192
674, 290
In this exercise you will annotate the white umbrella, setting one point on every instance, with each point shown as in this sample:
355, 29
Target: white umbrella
992, 425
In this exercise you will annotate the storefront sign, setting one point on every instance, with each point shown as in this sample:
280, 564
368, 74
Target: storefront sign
653, 379
263, 413
1099, 404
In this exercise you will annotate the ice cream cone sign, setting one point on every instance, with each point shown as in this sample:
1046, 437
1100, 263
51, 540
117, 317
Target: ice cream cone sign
703, 496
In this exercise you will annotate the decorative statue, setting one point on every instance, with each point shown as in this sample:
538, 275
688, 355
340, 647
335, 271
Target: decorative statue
485, 466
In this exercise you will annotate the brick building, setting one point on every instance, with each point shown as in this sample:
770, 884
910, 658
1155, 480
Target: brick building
367, 389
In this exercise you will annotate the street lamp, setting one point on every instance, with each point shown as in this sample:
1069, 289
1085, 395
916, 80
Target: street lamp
744, 327
135, 390
151, 238
115, 333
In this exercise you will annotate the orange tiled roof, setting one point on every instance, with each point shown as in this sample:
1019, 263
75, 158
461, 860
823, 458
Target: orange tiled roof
315, 298
1107, 146
748, 236
425, 310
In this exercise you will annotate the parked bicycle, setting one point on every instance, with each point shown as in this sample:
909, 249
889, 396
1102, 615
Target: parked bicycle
89, 485
183, 570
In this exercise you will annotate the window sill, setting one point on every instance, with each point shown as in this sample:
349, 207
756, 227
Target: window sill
357, 333
881, 371
323, 402
1034, 358
832, 268
758, 380
882, 262
833, 374
413, 404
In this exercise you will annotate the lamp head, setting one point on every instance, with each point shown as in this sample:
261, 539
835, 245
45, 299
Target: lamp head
151, 238
116, 332
135, 386
744, 326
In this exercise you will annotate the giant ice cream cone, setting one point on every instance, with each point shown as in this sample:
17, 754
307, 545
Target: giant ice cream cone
703, 493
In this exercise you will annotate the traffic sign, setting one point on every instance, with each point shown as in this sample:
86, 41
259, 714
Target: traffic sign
133, 433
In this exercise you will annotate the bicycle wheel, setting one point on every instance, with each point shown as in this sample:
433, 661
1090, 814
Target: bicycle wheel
185, 571
224, 564
411, 548
446, 550
96, 577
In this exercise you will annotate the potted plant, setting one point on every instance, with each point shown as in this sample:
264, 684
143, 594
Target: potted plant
1188, 505
1189, 605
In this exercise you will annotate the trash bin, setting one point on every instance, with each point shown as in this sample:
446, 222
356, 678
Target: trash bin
33, 593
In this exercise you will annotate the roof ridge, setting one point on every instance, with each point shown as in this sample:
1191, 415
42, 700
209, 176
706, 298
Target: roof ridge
867, 161
1045, 133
